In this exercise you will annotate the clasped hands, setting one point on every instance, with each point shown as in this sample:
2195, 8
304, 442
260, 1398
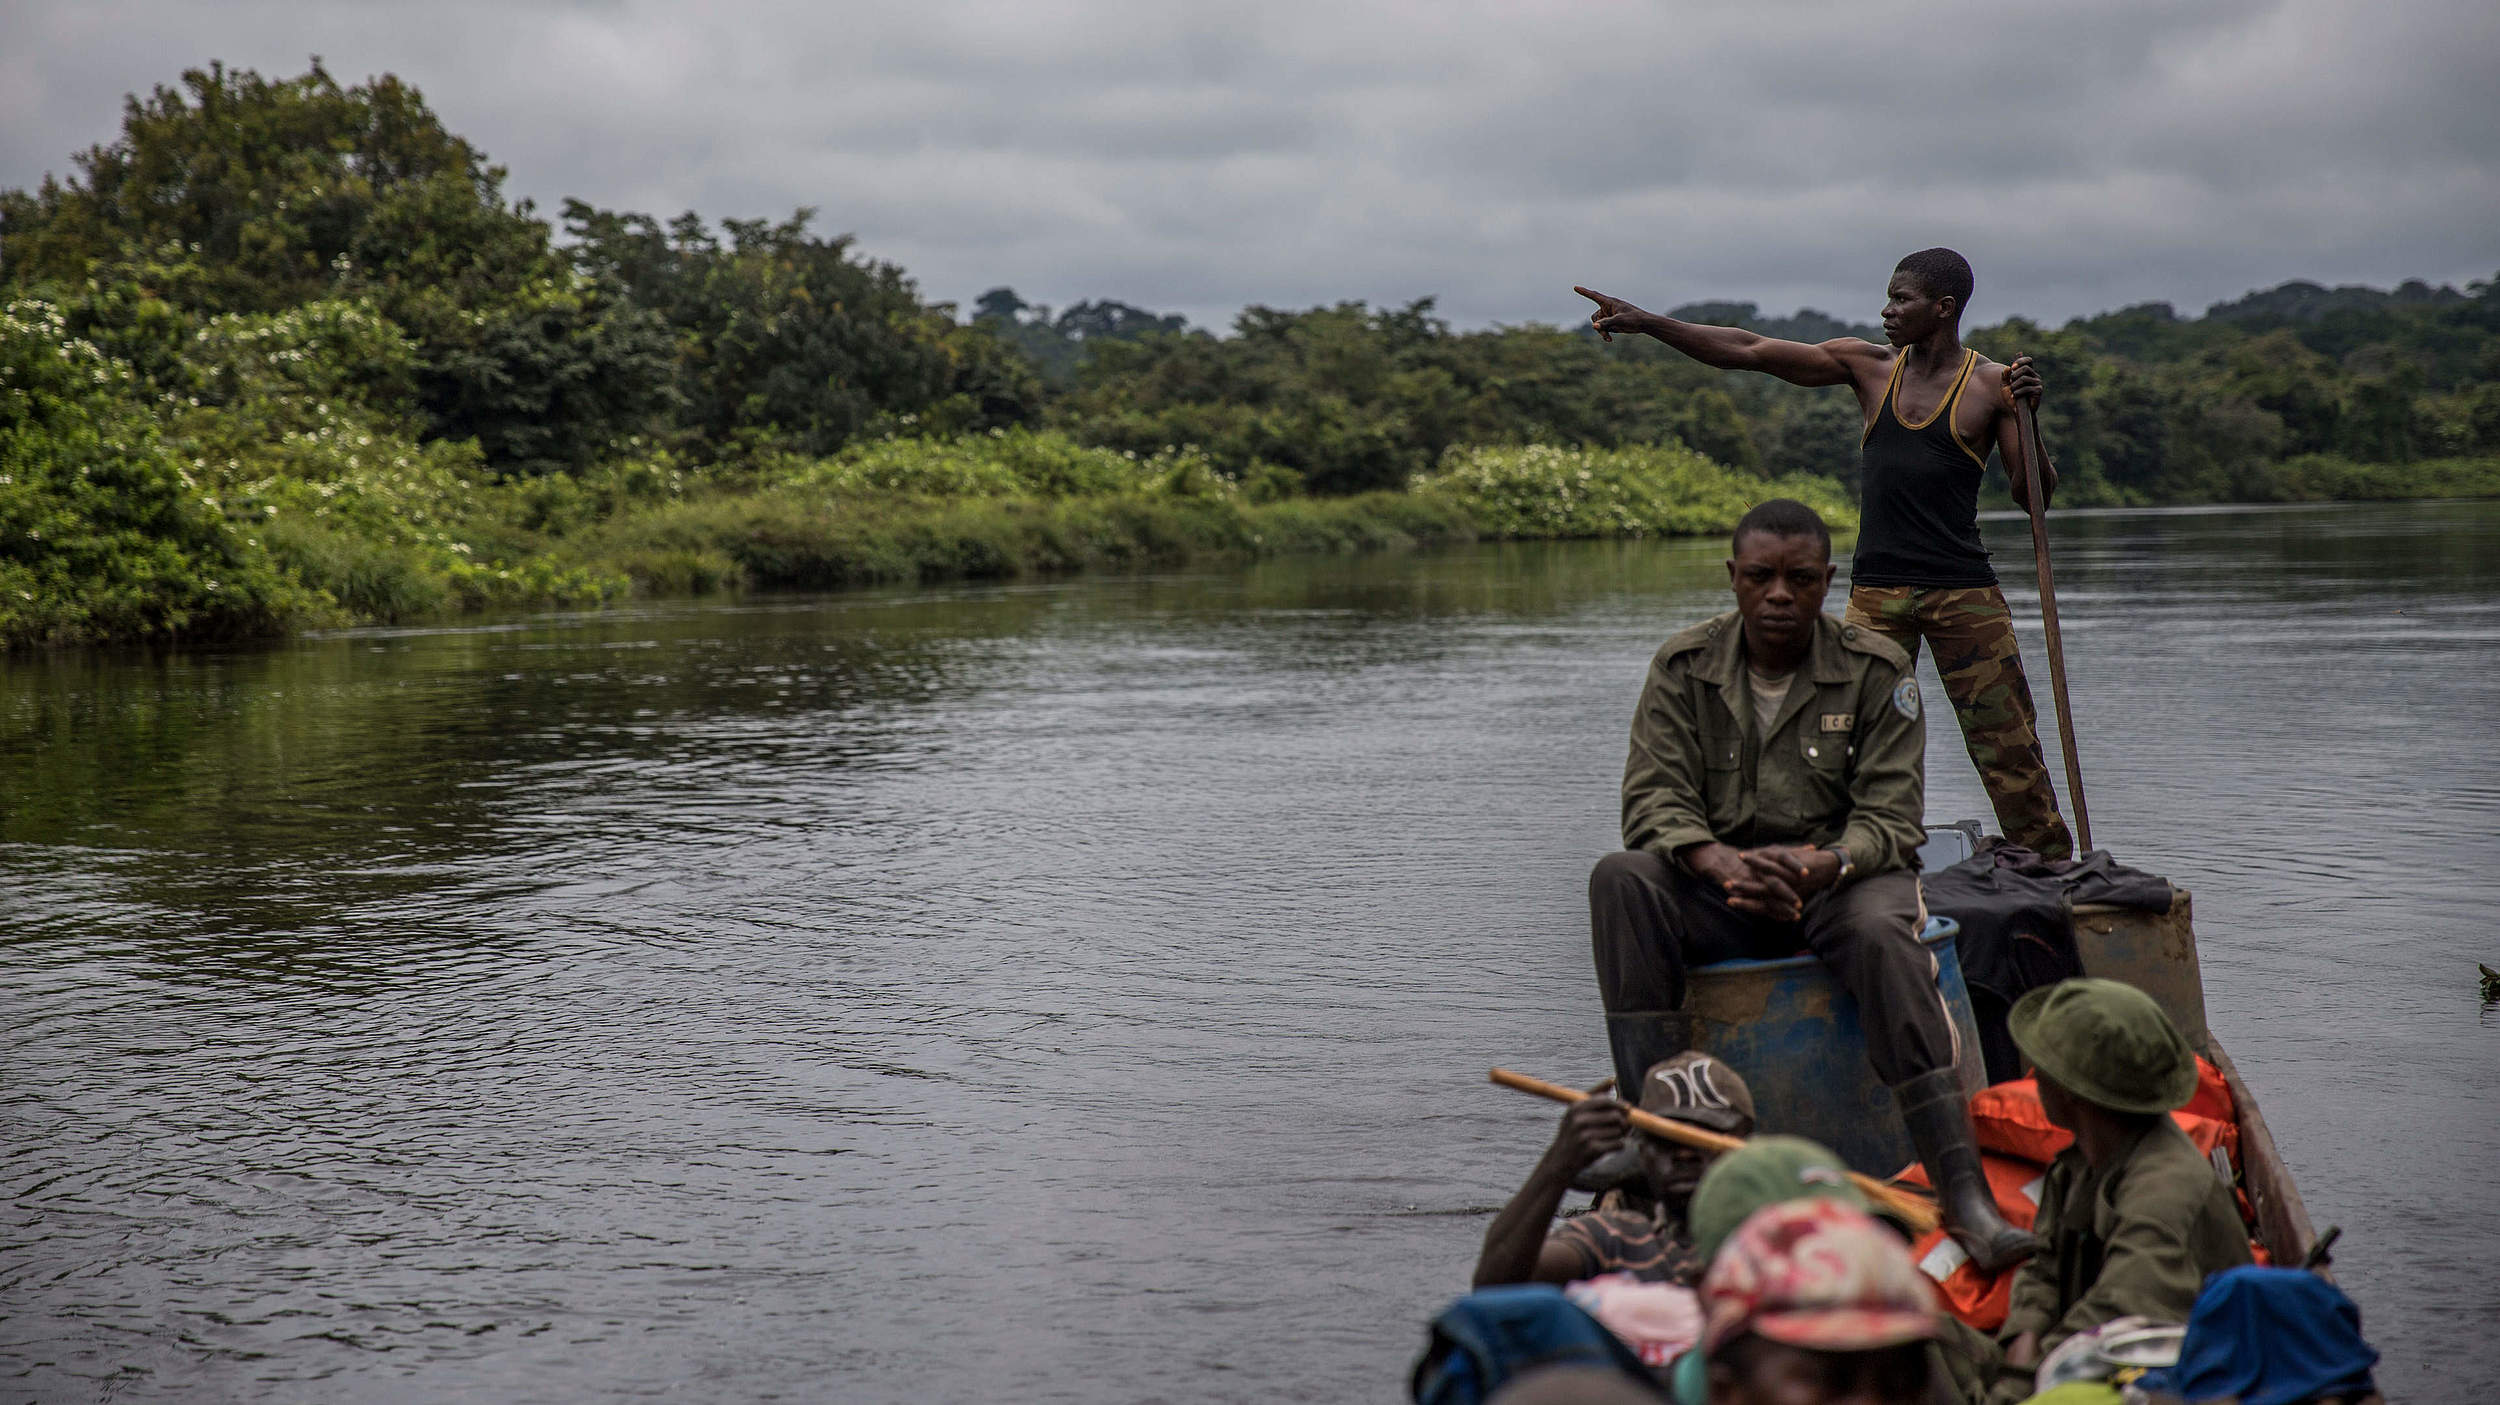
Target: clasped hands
1772, 881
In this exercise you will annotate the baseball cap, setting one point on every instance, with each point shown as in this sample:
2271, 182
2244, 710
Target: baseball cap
1764, 1171
1694, 1087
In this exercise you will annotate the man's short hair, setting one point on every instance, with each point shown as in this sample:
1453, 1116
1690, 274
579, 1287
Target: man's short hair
1782, 517
1942, 272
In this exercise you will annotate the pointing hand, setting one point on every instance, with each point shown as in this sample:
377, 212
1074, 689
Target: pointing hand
1613, 314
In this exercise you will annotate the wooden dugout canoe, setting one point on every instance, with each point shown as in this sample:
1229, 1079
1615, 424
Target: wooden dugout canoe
2156, 952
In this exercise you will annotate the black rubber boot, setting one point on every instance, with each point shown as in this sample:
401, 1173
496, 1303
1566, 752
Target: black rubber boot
1639, 1039
1938, 1114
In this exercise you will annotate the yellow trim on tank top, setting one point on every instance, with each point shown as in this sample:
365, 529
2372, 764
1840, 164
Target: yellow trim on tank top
1885, 404
1954, 434
1969, 359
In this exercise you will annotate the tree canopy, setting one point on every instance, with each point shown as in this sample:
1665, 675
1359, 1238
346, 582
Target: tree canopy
284, 346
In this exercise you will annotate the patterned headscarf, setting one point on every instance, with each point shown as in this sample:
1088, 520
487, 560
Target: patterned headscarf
1820, 1274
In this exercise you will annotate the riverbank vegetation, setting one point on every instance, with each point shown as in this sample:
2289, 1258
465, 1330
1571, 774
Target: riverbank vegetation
285, 354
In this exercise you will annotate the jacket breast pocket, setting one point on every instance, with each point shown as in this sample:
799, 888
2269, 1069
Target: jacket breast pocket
1827, 757
1827, 751
1723, 778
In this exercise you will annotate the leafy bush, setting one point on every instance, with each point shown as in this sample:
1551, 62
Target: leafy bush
304, 431
103, 533
1543, 491
1001, 463
547, 378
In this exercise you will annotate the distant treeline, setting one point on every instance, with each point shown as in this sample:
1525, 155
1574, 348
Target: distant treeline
285, 350
2299, 392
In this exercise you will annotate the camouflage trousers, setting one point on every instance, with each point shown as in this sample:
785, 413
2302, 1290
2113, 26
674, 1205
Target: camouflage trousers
1973, 635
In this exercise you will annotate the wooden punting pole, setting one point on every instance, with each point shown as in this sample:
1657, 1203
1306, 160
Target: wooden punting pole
2036, 453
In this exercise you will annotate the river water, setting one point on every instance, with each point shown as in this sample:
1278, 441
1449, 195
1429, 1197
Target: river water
1083, 990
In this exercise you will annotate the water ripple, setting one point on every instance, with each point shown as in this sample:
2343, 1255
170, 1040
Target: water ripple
1070, 990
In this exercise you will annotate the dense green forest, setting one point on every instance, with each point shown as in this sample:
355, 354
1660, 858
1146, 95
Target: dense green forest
285, 353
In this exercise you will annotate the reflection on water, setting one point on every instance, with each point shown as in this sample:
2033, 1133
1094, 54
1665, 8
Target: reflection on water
1074, 991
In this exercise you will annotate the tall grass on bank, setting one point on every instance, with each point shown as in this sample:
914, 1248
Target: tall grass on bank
2328, 478
1013, 503
1664, 490
794, 539
986, 506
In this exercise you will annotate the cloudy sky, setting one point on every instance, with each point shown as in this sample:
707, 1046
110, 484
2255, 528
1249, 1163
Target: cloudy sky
1197, 157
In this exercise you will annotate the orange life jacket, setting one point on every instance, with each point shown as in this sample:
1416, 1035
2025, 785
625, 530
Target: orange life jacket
2016, 1144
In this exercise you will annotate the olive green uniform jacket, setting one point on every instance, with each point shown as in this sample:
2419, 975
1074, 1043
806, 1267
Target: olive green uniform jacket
2136, 1239
1844, 760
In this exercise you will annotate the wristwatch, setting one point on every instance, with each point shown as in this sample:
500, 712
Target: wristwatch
1847, 866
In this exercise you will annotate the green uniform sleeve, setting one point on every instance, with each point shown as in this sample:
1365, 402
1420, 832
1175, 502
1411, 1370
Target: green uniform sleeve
1888, 790
2149, 1264
1965, 1359
1665, 800
2034, 1304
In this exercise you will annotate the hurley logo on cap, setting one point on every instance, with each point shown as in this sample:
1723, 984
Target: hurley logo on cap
1695, 1087
1690, 1084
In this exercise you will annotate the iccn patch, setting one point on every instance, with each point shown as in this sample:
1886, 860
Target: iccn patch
1905, 698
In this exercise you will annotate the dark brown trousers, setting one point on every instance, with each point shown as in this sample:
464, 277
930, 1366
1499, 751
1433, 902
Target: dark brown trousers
1651, 922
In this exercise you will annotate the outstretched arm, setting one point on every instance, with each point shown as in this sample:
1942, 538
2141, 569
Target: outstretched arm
1835, 362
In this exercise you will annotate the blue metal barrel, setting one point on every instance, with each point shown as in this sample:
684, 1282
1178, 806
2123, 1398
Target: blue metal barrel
1795, 1037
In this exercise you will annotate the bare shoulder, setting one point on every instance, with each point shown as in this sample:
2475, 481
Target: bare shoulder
1983, 399
1866, 360
1868, 366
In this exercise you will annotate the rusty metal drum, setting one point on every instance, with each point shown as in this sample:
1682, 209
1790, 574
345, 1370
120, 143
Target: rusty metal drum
1796, 1038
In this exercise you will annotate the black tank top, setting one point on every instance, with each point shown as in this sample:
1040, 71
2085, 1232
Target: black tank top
1919, 518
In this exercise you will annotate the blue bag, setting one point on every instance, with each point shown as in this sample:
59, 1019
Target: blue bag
2269, 1336
1483, 1339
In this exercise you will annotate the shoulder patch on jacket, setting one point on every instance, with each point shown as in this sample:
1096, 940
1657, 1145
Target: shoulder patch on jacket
1702, 635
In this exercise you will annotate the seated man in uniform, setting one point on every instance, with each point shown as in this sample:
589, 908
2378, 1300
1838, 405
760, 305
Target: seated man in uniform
2132, 1216
1772, 804
1645, 1236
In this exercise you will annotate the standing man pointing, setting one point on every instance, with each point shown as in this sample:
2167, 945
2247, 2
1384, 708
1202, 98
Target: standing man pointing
1933, 409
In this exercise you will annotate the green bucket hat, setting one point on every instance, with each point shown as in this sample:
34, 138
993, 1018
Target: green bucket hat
2107, 1043
1764, 1171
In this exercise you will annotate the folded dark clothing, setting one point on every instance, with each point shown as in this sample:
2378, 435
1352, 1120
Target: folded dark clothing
2017, 912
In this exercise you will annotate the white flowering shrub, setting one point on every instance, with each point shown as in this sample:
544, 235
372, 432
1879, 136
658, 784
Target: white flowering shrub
104, 533
318, 354
302, 421
1007, 463
1541, 490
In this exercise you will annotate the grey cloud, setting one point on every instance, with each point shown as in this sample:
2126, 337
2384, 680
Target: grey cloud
1198, 158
